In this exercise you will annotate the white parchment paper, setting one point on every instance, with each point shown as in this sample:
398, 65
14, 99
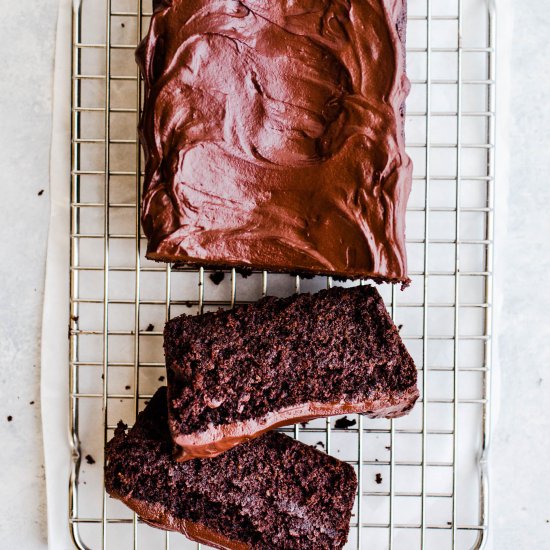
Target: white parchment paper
55, 344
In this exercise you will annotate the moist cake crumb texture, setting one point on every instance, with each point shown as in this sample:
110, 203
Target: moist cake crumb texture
337, 345
272, 492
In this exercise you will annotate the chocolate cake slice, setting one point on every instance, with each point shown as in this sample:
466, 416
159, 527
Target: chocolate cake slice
235, 374
273, 136
271, 493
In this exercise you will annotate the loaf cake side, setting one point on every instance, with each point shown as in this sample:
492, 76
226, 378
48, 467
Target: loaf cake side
235, 374
273, 492
273, 136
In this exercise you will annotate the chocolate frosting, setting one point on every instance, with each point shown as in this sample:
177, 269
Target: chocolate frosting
219, 439
157, 516
273, 135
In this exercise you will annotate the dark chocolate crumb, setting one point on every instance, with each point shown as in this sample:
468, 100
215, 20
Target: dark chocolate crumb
75, 318
244, 273
102, 377
122, 25
125, 458
217, 277
304, 424
320, 444
307, 276
449, 523
161, 378
270, 318
147, 402
387, 447
41, 192
343, 423
189, 304
31, 403
399, 327
10, 418
150, 327
126, 387
378, 478
90, 459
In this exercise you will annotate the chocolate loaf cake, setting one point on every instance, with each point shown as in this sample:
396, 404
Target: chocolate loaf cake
273, 136
235, 374
271, 493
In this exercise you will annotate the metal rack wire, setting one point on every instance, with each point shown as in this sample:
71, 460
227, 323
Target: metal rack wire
423, 478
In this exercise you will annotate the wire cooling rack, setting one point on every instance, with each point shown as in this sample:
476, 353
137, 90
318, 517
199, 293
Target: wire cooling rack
422, 478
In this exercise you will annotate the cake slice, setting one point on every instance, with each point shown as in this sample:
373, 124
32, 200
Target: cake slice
273, 136
272, 492
235, 374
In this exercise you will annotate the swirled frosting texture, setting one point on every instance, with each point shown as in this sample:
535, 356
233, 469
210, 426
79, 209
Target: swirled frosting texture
273, 135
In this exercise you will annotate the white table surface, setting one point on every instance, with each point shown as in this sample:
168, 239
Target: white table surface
520, 470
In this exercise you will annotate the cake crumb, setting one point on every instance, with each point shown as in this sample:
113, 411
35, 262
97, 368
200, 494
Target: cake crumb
320, 444
31, 403
344, 423
399, 327
126, 387
378, 478
304, 424
122, 25
161, 378
75, 318
150, 327
188, 304
387, 447
217, 277
41, 192
10, 418
90, 459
